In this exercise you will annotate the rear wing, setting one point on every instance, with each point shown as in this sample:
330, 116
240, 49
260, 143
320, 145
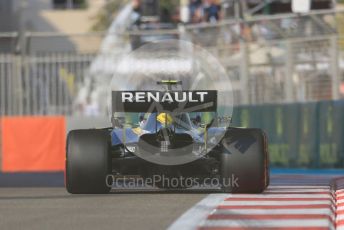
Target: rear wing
159, 101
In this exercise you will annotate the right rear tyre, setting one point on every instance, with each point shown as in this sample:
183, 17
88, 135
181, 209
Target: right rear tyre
244, 161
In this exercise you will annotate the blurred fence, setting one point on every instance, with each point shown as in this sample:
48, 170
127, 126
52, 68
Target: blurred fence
270, 59
41, 84
278, 59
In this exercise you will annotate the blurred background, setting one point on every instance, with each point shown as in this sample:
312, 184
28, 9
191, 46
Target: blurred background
285, 61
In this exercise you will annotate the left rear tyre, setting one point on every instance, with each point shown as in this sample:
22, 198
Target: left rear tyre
88, 162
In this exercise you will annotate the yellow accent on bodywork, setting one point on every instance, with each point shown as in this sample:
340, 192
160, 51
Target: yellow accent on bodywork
137, 131
165, 118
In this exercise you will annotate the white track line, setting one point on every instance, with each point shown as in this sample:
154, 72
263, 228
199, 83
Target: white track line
199, 212
340, 217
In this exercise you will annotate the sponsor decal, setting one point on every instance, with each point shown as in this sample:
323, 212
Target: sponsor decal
172, 101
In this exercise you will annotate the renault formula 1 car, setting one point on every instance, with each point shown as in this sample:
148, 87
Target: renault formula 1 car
170, 142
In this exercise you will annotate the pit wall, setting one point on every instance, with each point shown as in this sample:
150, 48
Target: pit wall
307, 135
301, 135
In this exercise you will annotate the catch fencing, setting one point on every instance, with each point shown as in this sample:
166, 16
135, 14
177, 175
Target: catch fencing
279, 59
269, 59
41, 84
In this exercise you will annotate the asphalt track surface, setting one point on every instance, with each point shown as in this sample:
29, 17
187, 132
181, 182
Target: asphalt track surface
53, 208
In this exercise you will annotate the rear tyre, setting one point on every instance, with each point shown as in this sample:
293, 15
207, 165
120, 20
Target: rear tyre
244, 161
88, 162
